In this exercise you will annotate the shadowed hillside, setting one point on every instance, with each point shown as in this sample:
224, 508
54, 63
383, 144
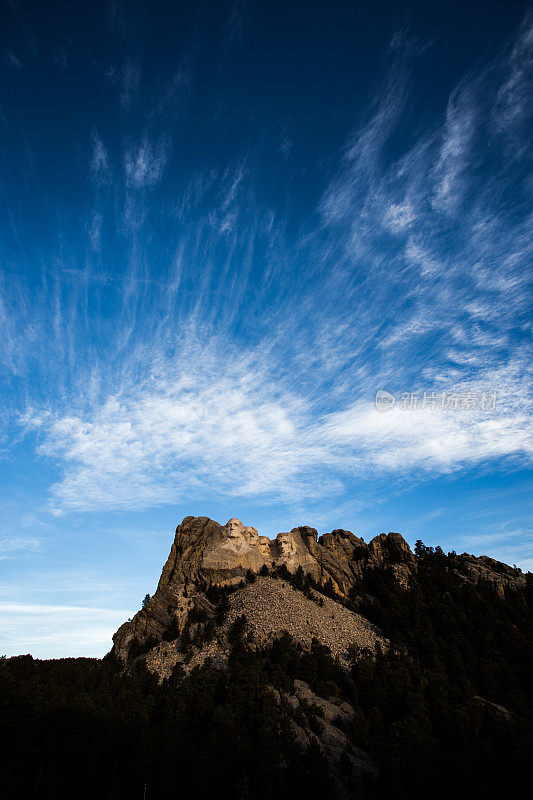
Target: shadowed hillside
297, 668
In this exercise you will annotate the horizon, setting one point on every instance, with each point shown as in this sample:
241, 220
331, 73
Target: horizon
258, 262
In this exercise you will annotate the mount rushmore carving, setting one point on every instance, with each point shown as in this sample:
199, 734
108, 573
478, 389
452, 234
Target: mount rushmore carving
205, 553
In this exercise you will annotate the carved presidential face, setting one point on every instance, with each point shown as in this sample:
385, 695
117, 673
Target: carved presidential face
234, 529
264, 547
251, 535
286, 544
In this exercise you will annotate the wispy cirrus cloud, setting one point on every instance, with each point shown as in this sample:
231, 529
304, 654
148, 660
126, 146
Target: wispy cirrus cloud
513, 108
456, 149
409, 280
99, 165
144, 163
15, 545
238, 428
130, 80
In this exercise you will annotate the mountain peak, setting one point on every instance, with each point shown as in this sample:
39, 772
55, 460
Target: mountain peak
206, 555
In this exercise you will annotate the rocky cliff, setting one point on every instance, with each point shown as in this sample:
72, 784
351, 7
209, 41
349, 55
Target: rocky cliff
205, 554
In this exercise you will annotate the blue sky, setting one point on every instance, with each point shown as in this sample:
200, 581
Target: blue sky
223, 228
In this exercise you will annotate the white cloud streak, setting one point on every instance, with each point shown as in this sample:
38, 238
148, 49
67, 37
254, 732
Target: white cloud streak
244, 434
144, 164
15, 545
49, 631
409, 280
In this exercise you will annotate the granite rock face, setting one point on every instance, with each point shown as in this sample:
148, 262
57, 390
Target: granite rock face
206, 554
500, 576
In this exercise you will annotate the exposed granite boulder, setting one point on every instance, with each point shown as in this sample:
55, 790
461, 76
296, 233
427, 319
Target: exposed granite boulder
391, 548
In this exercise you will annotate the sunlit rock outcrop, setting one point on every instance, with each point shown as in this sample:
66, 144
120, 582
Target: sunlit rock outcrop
205, 554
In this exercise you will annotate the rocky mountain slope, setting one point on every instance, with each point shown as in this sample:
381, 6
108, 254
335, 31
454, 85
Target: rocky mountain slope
224, 586
206, 555
286, 670
271, 607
